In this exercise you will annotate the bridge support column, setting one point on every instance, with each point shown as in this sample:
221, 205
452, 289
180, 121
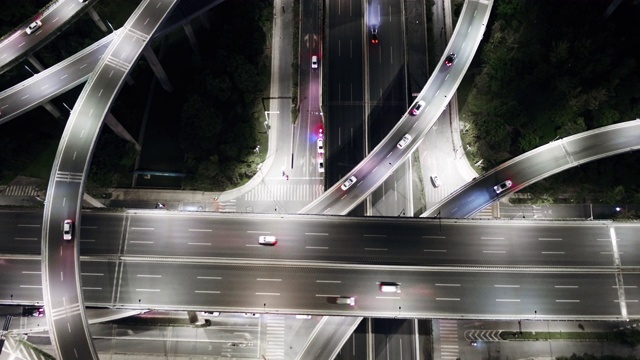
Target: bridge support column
117, 128
157, 68
192, 37
205, 21
371, 353
35, 63
52, 109
96, 19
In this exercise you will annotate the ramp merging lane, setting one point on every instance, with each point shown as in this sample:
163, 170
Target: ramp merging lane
60, 261
538, 164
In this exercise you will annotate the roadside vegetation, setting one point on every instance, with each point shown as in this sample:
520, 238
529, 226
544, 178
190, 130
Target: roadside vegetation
549, 70
222, 114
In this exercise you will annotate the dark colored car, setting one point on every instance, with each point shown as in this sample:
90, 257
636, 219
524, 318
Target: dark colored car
374, 35
450, 59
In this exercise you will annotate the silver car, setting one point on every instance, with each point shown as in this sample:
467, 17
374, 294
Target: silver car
405, 140
267, 240
347, 184
33, 27
502, 186
346, 300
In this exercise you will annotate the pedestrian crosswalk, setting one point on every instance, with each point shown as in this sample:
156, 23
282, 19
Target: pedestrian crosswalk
285, 192
21, 190
446, 334
225, 206
274, 348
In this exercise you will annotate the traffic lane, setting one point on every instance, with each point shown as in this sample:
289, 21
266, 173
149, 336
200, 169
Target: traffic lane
101, 233
22, 231
595, 145
379, 242
246, 288
355, 347
98, 279
21, 281
628, 243
30, 93
404, 241
631, 293
572, 295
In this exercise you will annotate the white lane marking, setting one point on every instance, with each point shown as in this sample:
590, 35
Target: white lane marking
324, 234
140, 228
433, 237
30, 286
140, 242
447, 284
434, 250
147, 289
269, 294
491, 238
390, 154
374, 235
150, 276
24, 97
264, 279
550, 239
625, 286
317, 247
65, 75
209, 277
507, 286
32, 272
258, 232
329, 281
376, 249
635, 301
92, 274
100, 93
508, 300
566, 286
199, 243
568, 301
26, 239
324, 212
83, 66
493, 251
448, 299
343, 196
91, 288
28, 225
388, 297
553, 252
326, 295
200, 230
207, 292
256, 245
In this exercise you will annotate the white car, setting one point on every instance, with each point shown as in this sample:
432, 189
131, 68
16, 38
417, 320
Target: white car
346, 300
321, 163
67, 229
502, 186
305, 317
417, 108
33, 27
347, 184
314, 62
267, 240
389, 287
435, 180
211, 313
320, 146
405, 140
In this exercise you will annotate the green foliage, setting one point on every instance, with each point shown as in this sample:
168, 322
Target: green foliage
553, 69
218, 130
105, 170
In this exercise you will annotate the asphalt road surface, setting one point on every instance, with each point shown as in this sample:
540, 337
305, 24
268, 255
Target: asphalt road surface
449, 268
